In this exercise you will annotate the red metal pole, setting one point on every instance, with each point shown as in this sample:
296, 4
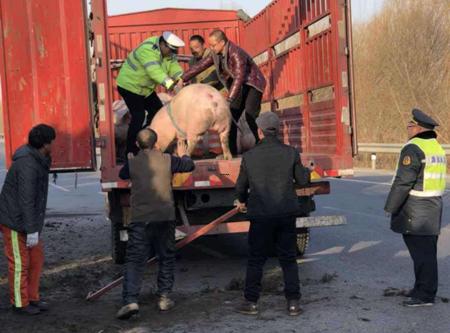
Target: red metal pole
185, 241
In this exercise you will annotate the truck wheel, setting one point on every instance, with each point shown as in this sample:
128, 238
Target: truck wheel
118, 247
302, 241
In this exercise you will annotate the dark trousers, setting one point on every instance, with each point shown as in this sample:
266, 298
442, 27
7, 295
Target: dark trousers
144, 241
137, 105
423, 251
249, 99
262, 234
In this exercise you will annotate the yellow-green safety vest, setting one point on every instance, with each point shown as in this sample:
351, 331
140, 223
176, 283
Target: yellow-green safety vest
145, 68
434, 175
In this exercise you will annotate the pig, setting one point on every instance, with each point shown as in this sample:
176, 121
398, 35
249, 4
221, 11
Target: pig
195, 109
165, 98
122, 119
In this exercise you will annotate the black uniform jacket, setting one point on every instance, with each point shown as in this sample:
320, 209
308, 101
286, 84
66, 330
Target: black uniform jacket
410, 214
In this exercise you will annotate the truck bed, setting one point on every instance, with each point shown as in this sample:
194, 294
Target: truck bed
208, 174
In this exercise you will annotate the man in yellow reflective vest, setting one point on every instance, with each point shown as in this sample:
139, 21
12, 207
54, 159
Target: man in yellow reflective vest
415, 202
150, 64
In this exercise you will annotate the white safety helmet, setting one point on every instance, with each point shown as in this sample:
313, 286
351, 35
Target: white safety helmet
173, 41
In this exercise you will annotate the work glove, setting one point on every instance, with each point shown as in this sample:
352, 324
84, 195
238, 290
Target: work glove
32, 239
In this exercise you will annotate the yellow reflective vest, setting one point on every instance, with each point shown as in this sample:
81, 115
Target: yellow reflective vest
435, 168
145, 68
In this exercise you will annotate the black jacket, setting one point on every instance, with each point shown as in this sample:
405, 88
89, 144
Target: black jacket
269, 171
23, 199
413, 215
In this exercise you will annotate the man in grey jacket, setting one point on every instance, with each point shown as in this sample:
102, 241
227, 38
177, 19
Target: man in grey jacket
23, 201
415, 202
152, 227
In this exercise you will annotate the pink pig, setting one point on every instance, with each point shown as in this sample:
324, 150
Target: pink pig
196, 109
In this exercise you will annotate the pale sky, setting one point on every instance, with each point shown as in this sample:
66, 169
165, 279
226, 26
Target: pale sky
361, 9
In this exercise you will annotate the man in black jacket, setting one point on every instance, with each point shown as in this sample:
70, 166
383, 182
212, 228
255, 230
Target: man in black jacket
152, 227
23, 201
269, 171
415, 202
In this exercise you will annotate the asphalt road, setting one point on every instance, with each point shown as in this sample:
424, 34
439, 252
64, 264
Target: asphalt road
344, 274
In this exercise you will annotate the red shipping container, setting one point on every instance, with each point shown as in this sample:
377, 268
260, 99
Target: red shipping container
45, 79
129, 30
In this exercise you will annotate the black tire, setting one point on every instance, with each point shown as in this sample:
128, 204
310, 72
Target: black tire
118, 247
302, 241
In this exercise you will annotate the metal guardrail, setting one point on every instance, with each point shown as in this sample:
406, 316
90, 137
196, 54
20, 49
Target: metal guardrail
393, 148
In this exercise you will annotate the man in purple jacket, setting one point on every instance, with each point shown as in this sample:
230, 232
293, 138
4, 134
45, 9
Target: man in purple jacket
238, 72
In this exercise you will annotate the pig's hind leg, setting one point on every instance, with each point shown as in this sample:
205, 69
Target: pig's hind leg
192, 142
225, 146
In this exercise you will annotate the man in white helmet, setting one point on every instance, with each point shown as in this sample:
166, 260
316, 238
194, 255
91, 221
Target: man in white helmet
150, 64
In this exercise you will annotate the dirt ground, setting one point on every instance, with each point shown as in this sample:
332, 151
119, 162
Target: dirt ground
77, 262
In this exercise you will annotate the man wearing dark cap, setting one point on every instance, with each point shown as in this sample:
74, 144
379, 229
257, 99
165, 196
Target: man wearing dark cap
415, 202
270, 171
151, 63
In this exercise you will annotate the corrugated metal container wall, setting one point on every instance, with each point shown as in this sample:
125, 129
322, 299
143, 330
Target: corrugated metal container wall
308, 76
284, 19
45, 79
129, 30
257, 26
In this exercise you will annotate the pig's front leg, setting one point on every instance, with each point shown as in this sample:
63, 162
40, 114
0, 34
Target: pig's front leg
225, 147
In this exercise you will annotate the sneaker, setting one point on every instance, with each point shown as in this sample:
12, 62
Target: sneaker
248, 308
41, 305
28, 310
415, 302
127, 311
294, 307
165, 303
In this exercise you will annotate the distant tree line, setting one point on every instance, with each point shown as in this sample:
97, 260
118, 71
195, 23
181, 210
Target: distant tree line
401, 61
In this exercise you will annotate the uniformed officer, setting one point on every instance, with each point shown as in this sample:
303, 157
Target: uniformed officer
415, 202
150, 64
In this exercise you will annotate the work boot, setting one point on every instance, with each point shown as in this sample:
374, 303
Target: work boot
248, 308
294, 307
127, 311
415, 302
29, 310
165, 303
41, 305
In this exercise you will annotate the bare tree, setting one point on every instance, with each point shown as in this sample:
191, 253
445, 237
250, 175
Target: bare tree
402, 60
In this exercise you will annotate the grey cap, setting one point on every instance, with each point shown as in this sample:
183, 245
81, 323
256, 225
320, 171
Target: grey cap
268, 121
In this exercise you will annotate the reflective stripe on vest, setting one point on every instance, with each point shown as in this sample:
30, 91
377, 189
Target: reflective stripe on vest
435, 170
168, 83
133, 65
426, 194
